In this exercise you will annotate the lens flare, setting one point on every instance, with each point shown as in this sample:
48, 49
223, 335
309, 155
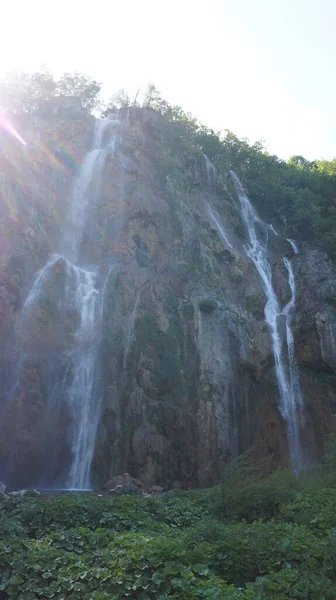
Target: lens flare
7, 126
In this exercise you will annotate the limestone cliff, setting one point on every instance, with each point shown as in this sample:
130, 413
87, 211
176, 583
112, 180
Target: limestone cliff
186, 372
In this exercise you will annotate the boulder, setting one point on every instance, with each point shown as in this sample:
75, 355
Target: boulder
155, 489
2, 487
3, 496
121, 480
24, 492
126, 489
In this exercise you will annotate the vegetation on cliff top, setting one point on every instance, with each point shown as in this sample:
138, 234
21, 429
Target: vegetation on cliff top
300, 195
254, 537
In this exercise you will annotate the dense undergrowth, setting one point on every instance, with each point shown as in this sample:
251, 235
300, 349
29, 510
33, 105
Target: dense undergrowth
253, 537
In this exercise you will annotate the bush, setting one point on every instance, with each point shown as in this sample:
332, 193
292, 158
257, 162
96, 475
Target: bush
313, 508
240, 553
247, 494
294, 583
207, 306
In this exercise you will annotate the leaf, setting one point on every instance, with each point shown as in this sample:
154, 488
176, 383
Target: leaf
201, 569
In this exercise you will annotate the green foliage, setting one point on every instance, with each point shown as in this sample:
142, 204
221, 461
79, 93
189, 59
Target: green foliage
88, 547
237, 277
206, 306
256, 306
294, 583
83, 87
118, 100
26, 92
247, 494
301, 193
313, 508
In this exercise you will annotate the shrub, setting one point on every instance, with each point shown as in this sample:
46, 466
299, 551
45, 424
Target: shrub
247, 494
239, 553
313, 508
295, 584
207, 306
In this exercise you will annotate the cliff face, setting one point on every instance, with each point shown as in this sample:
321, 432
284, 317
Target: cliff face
184, 373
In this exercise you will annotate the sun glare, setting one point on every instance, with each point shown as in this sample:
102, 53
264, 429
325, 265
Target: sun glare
9, 127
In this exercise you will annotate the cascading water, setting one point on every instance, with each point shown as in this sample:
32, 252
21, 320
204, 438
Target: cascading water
294, 246
295, 404
210, 172
79, 394
291, 405
81, 296
211, 180
219, 227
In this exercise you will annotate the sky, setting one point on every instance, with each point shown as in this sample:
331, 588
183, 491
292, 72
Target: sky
263, 68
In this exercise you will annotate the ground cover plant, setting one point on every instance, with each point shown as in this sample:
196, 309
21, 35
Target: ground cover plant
253, 537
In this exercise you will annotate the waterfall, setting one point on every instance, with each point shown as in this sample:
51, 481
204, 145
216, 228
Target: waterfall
87, 184
219, 226
210, 172
294, 246
295, 404
210, 180
291, 404
78, 389
273, 230
79, 395
39, 282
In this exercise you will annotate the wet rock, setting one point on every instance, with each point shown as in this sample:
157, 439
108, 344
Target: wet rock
21, 493
3, 496
182, 315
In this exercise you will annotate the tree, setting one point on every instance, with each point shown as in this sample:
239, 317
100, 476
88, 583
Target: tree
153, 99
26, 92
83, 87
119, 100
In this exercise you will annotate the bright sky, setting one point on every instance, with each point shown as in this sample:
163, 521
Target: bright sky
263, 68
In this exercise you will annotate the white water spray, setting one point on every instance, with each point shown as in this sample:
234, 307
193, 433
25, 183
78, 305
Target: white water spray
219, 226
283, 345
81, 294
294, 246
79, 394
273, 230
210, 172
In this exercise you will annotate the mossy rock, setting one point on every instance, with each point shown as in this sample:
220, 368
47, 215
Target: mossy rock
237, 277
256, 306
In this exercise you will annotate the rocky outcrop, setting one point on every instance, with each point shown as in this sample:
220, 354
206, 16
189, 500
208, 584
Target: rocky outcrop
125, 484
186, 372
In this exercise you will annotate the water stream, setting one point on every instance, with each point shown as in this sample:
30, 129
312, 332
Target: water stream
81, 295
219, 226
291, 405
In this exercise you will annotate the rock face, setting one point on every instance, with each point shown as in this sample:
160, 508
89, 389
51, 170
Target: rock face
186, 375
